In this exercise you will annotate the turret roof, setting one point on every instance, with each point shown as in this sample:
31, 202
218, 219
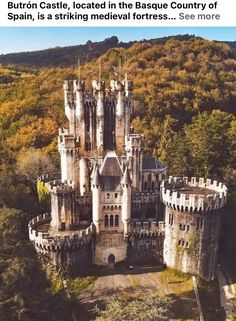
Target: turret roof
111, 165
110, 172
126, 180
96, 176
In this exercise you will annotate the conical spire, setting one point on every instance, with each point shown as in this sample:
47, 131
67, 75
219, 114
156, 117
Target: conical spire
96, 176
93, 170
126, 180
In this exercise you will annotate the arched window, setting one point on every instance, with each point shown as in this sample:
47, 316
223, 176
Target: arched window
145, 185
106, 220
111, 220
116, 220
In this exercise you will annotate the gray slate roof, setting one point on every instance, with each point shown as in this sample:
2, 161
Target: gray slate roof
151, 163
110, 172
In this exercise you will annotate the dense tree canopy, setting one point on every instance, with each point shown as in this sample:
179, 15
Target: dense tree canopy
148, 308
24, 290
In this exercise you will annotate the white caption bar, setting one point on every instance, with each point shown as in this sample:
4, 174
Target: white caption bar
117, 13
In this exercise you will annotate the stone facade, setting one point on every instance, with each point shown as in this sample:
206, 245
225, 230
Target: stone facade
113, 203
192, 224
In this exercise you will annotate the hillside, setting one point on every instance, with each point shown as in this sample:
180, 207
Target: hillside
60, 56
68, 56
174, 81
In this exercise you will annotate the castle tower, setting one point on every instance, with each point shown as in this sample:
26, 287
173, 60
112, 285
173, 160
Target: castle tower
99, 93
120, 118
128, 87
134, 148
192, 224
68, 149
63, 205
84, 176
126, 201
79, 88
70, 105
96, 198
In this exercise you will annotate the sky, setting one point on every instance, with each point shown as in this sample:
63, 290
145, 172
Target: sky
19, 39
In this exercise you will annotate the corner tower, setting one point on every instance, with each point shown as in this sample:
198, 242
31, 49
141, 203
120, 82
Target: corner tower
192, 224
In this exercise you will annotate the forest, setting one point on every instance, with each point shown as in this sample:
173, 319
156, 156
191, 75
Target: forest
184, 103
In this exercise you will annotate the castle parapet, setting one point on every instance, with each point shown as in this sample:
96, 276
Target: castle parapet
66, 141
47, 242
37, 221
147, 229
58, 186
192, 194
145, 197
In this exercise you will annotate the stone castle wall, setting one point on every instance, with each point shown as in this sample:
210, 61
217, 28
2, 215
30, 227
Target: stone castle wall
146, 242
110, 243
74, 251
192, 224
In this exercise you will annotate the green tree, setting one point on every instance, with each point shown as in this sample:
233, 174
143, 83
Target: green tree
24, 294
209, 143
148, 308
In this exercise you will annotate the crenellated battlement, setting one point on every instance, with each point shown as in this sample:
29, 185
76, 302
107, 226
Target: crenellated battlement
145, 197
79, 85
98, 85
192, 194
66, 142
147, 229
125, 85
48, 177
39, 220
84, 200
46, 241
117, 85
74, 85
134, 141
58, 186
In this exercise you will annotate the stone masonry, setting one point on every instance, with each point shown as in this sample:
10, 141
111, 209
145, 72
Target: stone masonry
113, 203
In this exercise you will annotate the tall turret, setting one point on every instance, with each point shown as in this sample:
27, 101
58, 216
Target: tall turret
84, 176
117, 88
62, 205
70, 105
79, 88
134, 148
126, 200
69, 152
96, 197
99, 93
128, 87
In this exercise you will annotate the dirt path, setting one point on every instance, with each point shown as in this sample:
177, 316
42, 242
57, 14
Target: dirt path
126, 284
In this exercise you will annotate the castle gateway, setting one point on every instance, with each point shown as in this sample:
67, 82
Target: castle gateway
114, 203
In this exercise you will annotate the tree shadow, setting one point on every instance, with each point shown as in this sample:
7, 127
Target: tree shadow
183, 307
125, 269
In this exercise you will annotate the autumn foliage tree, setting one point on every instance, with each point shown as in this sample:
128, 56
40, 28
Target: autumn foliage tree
31, 164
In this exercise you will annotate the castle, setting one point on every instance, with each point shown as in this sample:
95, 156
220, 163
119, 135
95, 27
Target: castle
114, 203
